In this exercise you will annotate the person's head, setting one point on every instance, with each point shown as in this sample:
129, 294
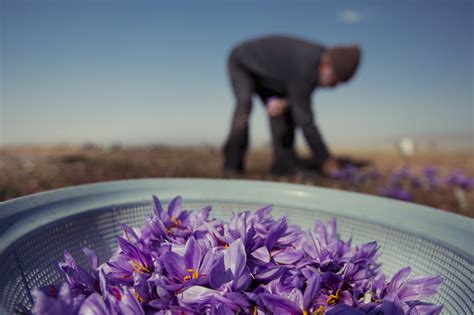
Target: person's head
338, 64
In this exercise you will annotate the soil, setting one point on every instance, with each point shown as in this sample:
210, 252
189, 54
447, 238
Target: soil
27, 170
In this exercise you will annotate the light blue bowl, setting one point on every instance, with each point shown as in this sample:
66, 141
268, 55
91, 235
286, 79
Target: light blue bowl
35, 230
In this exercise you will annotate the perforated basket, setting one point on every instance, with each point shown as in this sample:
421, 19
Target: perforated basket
35, 230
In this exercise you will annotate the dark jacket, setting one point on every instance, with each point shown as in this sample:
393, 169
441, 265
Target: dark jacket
287, 67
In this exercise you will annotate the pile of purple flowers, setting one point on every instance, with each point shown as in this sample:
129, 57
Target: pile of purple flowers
404, 182
184, 262
401, 183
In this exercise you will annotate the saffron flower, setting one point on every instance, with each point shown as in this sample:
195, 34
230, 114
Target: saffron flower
458, 178
185, 262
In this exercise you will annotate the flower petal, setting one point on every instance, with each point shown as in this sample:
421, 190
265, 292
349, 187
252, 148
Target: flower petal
390, 305
279, 305
175, 206
398, 279
130, 233
93, 305
311, 292
70, 260
219, 275
157, 228
287, 256
207, 262
128, 249
197, 294
332, 280
92, 257
263, 213
157, 207
103, 284
235, 258
175, 265
420, 287
239, 299
192, 254
296, 297
275, 232
243, 281
343, 309
261, 254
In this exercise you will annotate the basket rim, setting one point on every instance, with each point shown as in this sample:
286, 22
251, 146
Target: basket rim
22, 215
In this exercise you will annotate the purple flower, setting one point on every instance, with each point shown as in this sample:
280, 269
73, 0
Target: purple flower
81, 281
173, 222
202, 298
416, 288
114, 300
372, 174
430, 171
458, 178
183, 262
56, 300
396, 192
352, 175
191, 268
431, 175
131, 258
404, 178
344, 309
231, 272
295, 302
325, 248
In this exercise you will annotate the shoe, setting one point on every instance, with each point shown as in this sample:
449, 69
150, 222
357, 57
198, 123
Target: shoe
232, 173
295, 171
286, 171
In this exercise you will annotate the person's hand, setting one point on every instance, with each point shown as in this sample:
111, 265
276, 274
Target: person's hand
276, 106
330, 166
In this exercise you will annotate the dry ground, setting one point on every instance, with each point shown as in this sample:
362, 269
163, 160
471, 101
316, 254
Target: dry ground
27, 170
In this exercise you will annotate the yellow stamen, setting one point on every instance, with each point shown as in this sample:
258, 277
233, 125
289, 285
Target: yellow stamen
226, 246
305, 313
254, 310
368, 297
138, 296
333, 299
194, 275
138, 267
176, 222
320, 310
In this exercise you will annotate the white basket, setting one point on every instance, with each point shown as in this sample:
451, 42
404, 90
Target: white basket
35, 230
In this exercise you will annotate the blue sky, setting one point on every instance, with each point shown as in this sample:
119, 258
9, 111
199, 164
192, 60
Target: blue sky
154, 71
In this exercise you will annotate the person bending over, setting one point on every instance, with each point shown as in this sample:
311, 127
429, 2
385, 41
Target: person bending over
284, 71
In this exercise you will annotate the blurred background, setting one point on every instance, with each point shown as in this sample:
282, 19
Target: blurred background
98, 90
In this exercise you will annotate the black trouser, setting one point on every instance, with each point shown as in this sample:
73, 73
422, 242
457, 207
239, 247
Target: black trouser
243, 86
283, 135
283, 138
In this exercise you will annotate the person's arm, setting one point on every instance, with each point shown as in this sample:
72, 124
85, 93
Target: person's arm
276, 106
300, 106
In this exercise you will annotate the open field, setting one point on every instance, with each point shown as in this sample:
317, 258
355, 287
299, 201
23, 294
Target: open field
27, 170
